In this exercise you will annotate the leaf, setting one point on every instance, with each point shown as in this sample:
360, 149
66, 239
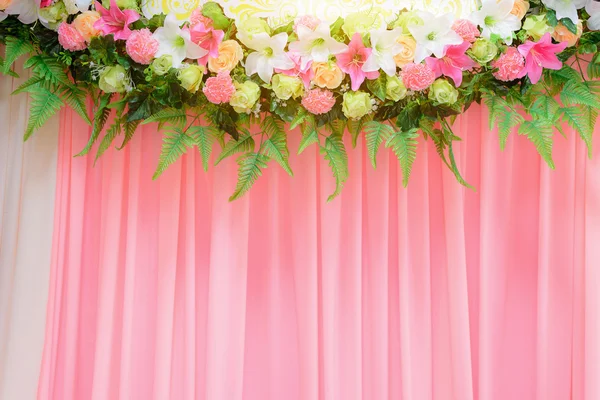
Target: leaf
275, 147
376, 133
541, 136
378, 86
356, 127
309, 134
335, 152
204, 137
244, 144
545, 107
249, 171
454, 168
76, 99
49, 68
569, 25
15, 48
299, 118
578, 93
214, 11
100, 118
175, 117
506, 124
583, 120
130, 128
404, 145
409, 117
44, 104
30, 84
113, 131
593, 68
175, 144
496, 105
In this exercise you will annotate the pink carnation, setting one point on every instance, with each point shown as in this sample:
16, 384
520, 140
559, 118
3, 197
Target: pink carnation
318, 101
466, 29
509, 65
219, 89
417, 76
197, 17
308, 21
70, 38
141, 46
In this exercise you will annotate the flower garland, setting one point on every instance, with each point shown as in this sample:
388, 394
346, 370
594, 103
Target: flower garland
210, 79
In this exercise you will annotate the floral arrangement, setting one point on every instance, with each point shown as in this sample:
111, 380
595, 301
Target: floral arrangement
212, 80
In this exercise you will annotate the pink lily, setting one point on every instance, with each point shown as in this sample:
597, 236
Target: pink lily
453, 63
306, 73
207, 38
115, 21
351, 61
540, 55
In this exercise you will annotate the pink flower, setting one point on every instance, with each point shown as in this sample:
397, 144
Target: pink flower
197, 17
115, 21
509, 65
466, 29
453, 63
540, 55
141, 46
219, 89
318, 101
308, 21
352, 60
306, 73
45, 3
417, 76
70, 38
207, 38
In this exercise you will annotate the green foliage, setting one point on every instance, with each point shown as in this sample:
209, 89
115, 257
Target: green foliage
176, 117
582, 119
310, 134
250, 165
204, 137
275, 146
44, 104
100, 118
376, 134
175, 144
377, 86
15, 48
356, 127
577, 93
540, 133
404, 145
334, 152
244, 144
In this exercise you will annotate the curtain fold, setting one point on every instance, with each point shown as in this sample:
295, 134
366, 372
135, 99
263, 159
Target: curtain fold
164, 290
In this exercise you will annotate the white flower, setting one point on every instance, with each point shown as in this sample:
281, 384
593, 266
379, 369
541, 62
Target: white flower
315, 45
593, 8
565, 8
176, 42
269, 53
384, 49
434, 36
76, 6
495, 18
27, 10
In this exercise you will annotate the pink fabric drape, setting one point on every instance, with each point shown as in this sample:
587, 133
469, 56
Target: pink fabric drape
164, 290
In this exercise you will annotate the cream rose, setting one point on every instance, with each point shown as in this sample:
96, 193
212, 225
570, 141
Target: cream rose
4, 4
562, 34
407, 55
520, 8
230, 54
327, 74
84, 23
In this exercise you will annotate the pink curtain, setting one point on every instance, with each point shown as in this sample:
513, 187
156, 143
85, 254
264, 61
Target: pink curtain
164, 290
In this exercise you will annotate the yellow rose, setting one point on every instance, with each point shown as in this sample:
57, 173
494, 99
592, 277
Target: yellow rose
190, 77
394, 88
327, 74
230, 54
245, 97
84, 23
4, 4
407, 55
562, 34
286, 87
520, 8
356, 105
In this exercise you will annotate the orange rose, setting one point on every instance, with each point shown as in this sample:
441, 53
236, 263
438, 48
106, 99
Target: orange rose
562, 34
230, 54
407, 55
84, 24
327, 74
4, 4
520, 8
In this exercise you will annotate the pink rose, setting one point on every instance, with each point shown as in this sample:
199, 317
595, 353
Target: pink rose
70, 38
219, 89
318, 101
141, 46
509, 65
417, 76
308, 21
466, 29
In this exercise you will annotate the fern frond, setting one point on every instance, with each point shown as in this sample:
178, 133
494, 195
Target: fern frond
15, 48
309, 134
130, 128
496, 106
577, 93
335, 152
506, 124
404, 145
100, 118
454, 168
299, 118
376, 133
540, 134
175, 144
76, 99
111, 133
44, 104
583, 120
275, 147
31, 84
244, 144
272, 126
49, 68
250, 165
356, 127
173, 116
204, 137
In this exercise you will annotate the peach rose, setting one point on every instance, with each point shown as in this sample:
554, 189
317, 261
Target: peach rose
230, 54
327, 75
562, 34
4, 4
520, 8
407, 55
84, 23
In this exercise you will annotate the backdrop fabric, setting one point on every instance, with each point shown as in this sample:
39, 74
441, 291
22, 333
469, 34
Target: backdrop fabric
27, 188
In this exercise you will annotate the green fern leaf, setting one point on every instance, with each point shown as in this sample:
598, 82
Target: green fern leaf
249, 171
577, 93
427, 126
130, 128
275, 147
496, 106
309, 134
175, 144
506, 123
335, 152
15, 48
540, 133
244, 144
299, 118
76, 99
376, 133
356, 127
337, 127
50, 69
440, 145
112, 132
31, 84
404, 145
10, 72
100, 118
583, 120
204, 137
44, 104
545, 107
173, 116
272, 126
454, 168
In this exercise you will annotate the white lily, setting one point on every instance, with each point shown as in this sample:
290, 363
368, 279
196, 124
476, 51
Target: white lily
315, 45
565, 8
27, 10
593, 8
269, 54
176, 42
434, 36
384, 48
495, 18
76, 6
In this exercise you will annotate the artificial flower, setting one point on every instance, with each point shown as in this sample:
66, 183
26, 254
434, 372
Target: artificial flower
433, 37
466, 29
245, 97
315, 45
26, 10
565, 8
384, 49
406, 19
305, 73
52, 16
318, 101
509, 65
483, 51
417, 77
520, 8
356, 105
308, 21
4, 4
361, 22
539, 55
190, 77
207, 38
197, 17
77, 6
394, 88
252, 26
453, 63
123, 4
327, 74
496, 19
141, 46
176, 42
219, 89
84, 23
407, 54
229, 55
593, 9
562, 34
162, 65
537, 26
114, 80
443, 92
70, 39
268, 54
115, 21
352, 60
286, 87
